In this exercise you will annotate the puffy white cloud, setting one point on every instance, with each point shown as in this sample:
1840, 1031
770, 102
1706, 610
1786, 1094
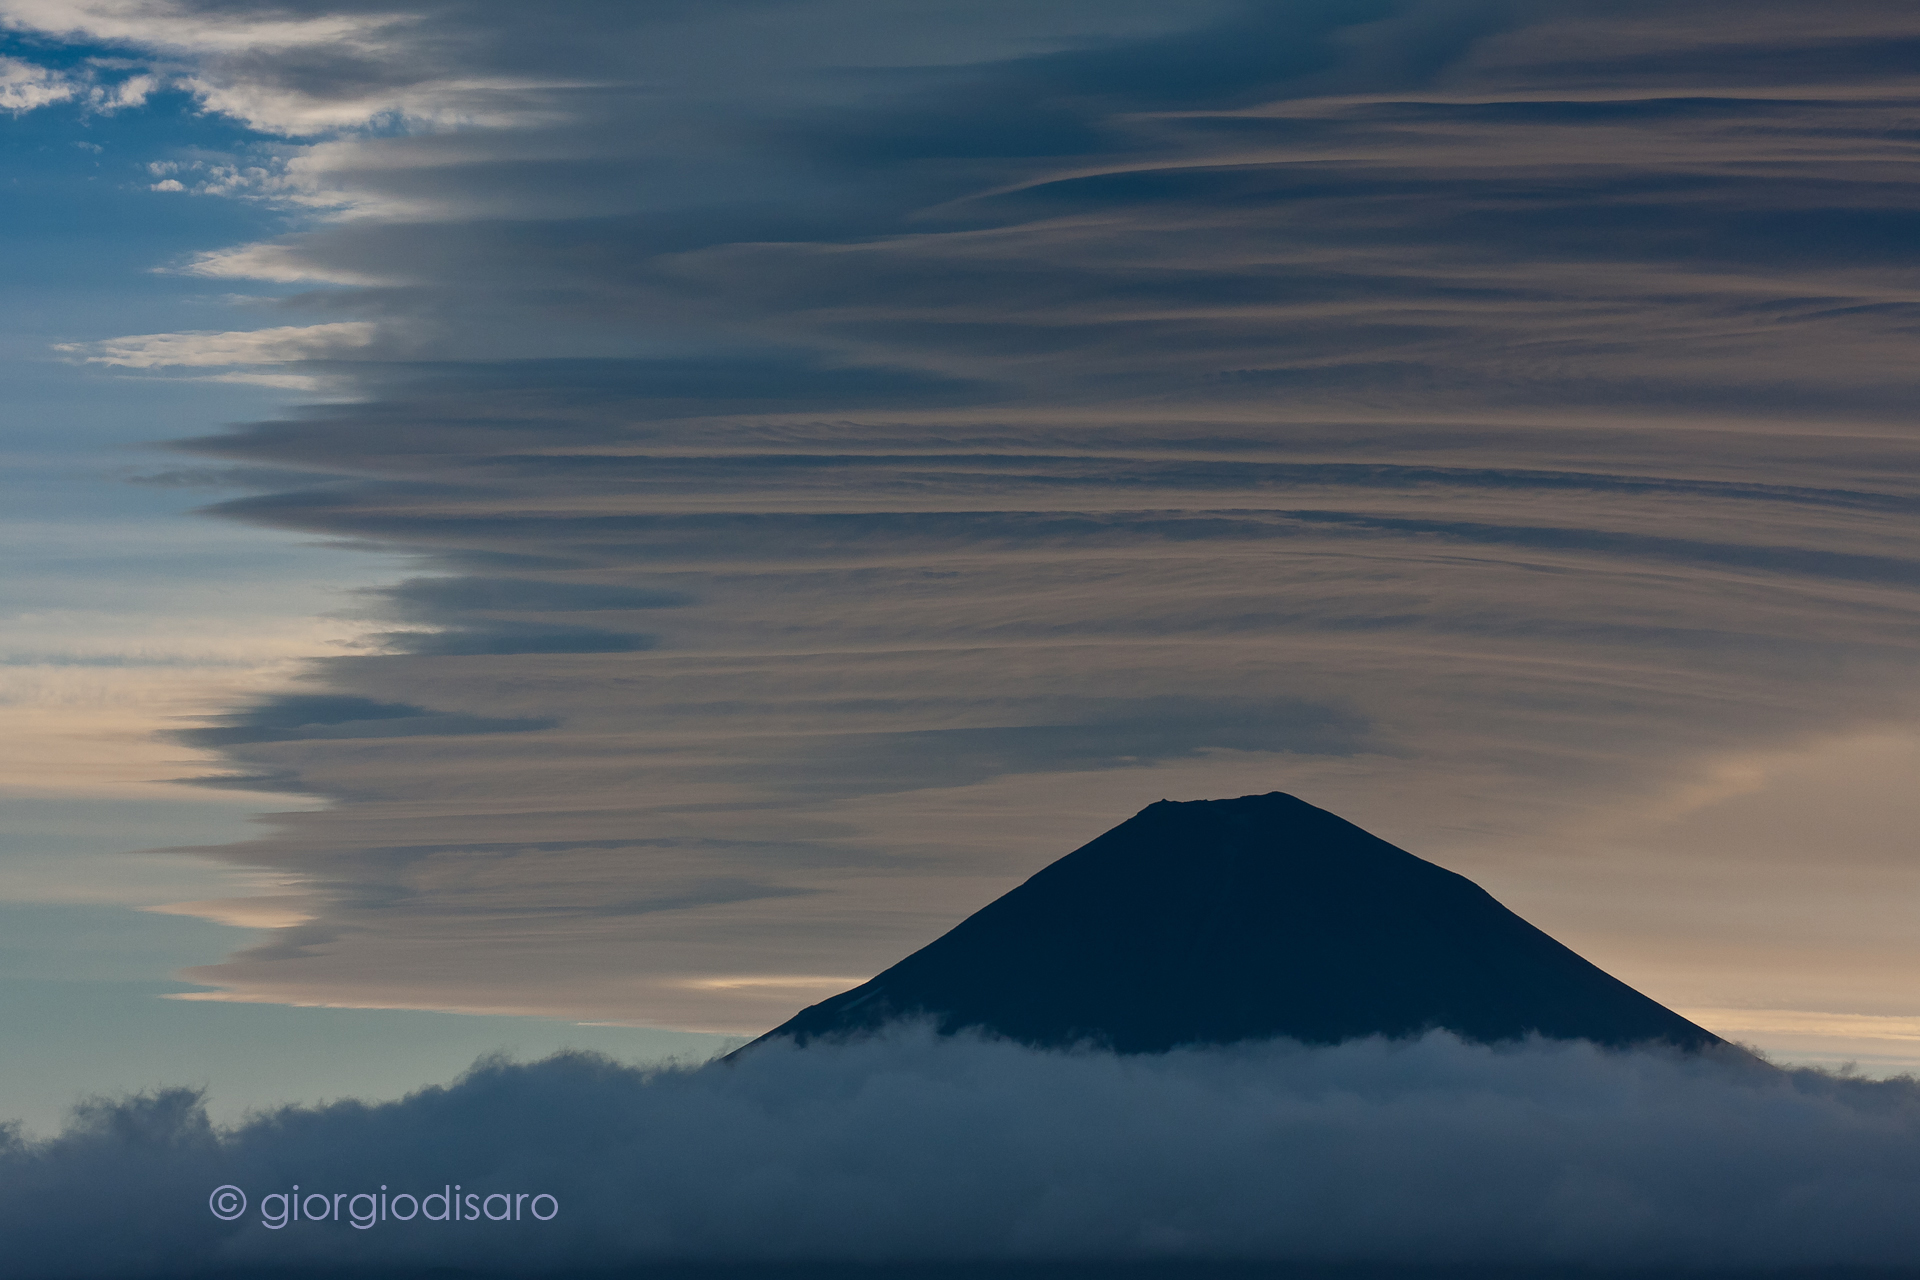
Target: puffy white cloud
24, 86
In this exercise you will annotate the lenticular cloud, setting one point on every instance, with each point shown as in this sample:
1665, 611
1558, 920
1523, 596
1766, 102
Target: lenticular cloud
918, 1148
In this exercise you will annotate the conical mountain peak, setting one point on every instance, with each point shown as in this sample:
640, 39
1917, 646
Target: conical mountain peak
1216, 921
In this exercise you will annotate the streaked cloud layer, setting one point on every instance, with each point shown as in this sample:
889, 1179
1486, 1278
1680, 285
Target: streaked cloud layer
846, 454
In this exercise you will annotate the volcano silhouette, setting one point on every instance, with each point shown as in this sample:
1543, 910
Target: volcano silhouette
1215, 921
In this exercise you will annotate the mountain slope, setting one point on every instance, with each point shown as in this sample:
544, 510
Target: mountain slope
1214, 921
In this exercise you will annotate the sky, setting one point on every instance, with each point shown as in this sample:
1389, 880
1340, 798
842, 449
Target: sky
629, 520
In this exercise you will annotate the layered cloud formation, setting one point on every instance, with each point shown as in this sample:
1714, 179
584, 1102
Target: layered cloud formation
918, 1149
845, 454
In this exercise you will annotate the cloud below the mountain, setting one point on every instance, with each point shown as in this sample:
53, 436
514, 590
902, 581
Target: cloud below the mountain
917, 1148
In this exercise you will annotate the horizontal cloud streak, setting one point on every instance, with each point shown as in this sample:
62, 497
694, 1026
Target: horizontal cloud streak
258, 346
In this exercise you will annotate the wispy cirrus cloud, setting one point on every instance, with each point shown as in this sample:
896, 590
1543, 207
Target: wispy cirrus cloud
280, 345
277, 263
239, 350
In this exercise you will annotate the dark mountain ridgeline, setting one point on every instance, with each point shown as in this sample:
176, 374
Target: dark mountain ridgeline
1215, 921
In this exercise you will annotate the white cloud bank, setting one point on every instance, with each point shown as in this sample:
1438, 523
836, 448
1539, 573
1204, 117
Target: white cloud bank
1427, 1152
